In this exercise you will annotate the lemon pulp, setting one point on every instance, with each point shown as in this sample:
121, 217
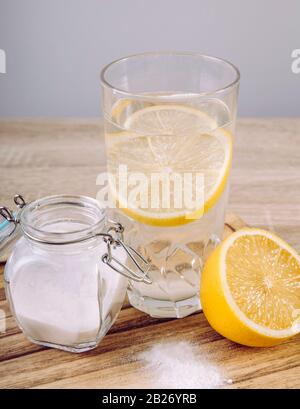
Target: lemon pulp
264, 280
171, 139
250, 288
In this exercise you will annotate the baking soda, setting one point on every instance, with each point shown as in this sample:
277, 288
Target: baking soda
65, 298
175, 365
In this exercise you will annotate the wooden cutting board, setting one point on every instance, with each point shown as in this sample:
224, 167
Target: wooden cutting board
115, 363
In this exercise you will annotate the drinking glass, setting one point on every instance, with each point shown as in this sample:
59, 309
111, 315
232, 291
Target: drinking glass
169, 125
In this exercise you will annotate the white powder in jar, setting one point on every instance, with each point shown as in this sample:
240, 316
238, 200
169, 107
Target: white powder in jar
62, 298
175, 365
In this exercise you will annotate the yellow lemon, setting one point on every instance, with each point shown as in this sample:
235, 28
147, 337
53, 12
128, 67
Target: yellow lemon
171, 139
250, 288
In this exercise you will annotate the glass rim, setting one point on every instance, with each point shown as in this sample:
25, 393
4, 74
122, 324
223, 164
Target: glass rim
56, 237
106, 84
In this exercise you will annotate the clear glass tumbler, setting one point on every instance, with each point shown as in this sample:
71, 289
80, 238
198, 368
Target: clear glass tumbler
169, 124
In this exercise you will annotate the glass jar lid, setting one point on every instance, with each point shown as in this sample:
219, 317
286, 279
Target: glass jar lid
67, 220
62, 219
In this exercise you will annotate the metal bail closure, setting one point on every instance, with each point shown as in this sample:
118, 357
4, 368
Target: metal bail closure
142, 265
9, 226
8, 214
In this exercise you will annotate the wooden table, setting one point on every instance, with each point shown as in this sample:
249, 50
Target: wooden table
40, 157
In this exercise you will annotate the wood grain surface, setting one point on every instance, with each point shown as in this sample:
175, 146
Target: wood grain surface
41, 157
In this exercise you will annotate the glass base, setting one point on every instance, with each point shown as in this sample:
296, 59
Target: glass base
77, 349
165, 309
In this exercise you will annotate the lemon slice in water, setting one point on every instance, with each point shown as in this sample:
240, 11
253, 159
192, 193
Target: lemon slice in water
172, 139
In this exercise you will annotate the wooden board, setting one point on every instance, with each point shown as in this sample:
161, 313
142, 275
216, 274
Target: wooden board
39, 157
115, 363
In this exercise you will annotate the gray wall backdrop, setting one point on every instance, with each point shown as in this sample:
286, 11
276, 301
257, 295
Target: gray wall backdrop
55, 49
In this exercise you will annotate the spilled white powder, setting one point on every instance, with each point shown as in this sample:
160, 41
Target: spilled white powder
175, 365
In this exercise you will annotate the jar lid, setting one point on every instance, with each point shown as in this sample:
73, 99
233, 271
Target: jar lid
62, 219
31, 218
9, 233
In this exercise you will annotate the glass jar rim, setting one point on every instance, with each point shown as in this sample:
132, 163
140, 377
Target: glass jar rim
36, 209
138, 95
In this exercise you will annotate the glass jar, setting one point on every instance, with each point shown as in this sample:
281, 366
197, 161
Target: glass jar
59, 279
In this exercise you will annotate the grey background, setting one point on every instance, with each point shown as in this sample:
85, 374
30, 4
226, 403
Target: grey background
55, 49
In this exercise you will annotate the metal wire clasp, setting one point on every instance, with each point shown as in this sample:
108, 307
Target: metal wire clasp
8, 214
116, 240
9, 227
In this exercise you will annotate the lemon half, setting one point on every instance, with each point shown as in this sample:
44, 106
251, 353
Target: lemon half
250, 288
